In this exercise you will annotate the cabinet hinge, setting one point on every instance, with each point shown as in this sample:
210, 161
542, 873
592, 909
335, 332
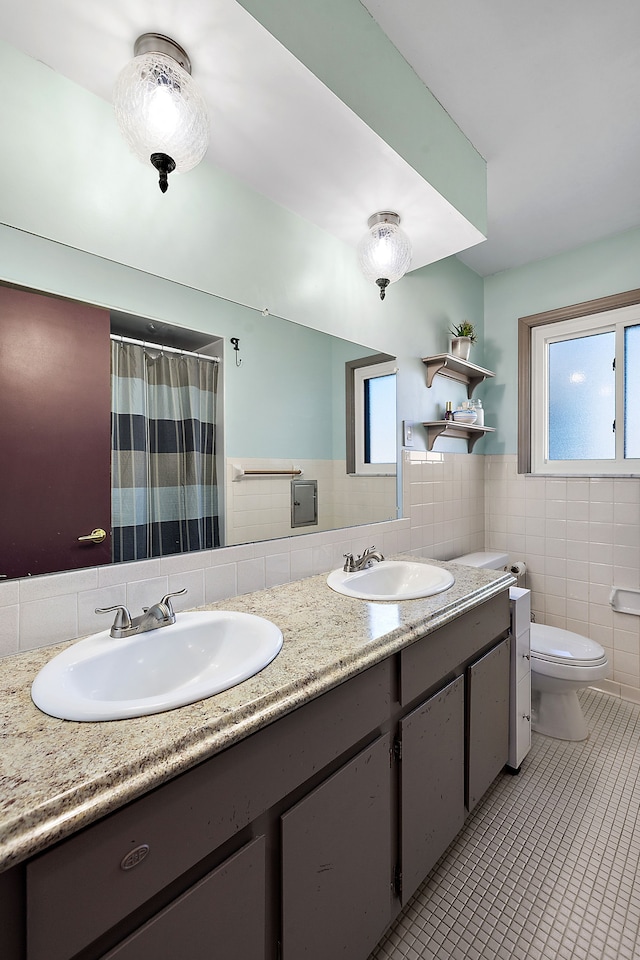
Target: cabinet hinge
396, 885
395, 750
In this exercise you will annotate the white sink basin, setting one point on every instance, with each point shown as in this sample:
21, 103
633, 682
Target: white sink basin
101, 678
392, 580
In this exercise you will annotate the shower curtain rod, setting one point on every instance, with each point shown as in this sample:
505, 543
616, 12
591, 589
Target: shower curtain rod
162, 347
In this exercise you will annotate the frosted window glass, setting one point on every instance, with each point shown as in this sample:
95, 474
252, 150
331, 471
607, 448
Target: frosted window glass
380, 419
582, 398
632, 391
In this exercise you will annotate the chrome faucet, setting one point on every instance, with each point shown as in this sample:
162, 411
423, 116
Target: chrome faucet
363, 561
159, 615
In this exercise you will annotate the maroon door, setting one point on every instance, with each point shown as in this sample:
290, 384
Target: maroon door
55, 407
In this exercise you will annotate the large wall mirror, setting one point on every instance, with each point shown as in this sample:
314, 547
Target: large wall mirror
278, 416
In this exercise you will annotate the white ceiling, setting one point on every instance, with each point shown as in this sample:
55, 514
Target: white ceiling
549, 93
546, 92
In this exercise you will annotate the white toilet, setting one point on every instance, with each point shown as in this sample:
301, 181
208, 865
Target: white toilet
561, 664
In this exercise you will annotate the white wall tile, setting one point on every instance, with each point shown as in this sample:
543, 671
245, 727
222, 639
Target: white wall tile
220, 582
128, 572
251, 576
9, 592
91, 622
277, 569
302, 563
57, 584
43, 622
627, 513
193, 582
9, 627
601, 489
577, 590
183, 562
144, 593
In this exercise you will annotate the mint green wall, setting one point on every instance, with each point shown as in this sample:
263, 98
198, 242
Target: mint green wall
585, 273
343, 46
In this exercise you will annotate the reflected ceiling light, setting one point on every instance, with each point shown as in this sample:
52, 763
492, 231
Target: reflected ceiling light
160, 111
385, 250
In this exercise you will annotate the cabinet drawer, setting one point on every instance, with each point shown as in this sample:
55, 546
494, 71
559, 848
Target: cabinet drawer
430, 661
226, 908
188, 818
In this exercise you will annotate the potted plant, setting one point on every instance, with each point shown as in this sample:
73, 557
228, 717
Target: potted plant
463, 335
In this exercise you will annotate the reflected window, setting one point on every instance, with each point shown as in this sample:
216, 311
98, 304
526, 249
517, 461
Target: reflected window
379, 424
371, 417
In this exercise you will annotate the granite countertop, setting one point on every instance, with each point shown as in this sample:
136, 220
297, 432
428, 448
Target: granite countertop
57, 776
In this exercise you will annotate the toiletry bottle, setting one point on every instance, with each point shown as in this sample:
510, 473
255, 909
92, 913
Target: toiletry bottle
480, 411
448, 413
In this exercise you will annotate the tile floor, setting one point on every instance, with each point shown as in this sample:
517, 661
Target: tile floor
547, 867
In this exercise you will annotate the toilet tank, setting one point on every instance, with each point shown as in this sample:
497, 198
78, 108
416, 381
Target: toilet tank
483, 558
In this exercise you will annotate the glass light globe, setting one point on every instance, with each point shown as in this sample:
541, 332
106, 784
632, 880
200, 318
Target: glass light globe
160, 111
384, 253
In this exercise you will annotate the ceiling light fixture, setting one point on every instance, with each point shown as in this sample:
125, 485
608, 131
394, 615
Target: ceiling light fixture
160, 111
385, 250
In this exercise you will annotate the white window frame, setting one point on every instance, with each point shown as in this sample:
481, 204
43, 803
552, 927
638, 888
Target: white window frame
541, 336
360, 376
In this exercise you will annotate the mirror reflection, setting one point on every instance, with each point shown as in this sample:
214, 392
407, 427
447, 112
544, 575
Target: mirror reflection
128, 437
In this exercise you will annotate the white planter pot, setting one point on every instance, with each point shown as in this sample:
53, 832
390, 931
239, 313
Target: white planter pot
460, 347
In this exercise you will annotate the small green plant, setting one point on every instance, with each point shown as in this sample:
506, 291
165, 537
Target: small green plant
464, 329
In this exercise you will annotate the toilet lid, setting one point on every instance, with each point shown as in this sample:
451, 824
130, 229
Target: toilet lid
552, 643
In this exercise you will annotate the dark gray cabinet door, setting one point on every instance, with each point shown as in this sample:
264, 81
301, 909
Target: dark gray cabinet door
488, 714
221, 916
432, 782
336, 862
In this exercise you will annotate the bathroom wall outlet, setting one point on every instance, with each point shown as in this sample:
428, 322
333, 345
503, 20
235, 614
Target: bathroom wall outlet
407, 433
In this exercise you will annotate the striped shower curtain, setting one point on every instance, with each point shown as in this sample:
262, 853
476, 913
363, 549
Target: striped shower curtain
163, 467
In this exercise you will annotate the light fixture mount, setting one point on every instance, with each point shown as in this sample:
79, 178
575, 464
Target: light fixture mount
385, 250
384, 216
157, 43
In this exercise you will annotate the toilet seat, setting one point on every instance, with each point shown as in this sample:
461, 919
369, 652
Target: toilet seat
553, 643
566, 655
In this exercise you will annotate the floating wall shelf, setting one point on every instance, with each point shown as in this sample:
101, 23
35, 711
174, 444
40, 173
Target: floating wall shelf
454, 368
459, 431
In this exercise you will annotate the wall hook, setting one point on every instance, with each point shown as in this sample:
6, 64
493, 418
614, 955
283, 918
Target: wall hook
236, 346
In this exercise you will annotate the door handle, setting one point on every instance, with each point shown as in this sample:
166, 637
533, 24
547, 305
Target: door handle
96, 536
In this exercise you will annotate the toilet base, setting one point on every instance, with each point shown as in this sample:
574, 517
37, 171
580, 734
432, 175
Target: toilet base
558, 715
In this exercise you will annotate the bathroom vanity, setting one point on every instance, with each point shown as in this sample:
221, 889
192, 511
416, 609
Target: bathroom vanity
291, 817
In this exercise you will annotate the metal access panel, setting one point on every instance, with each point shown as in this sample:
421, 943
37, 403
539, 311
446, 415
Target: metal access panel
304, 503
